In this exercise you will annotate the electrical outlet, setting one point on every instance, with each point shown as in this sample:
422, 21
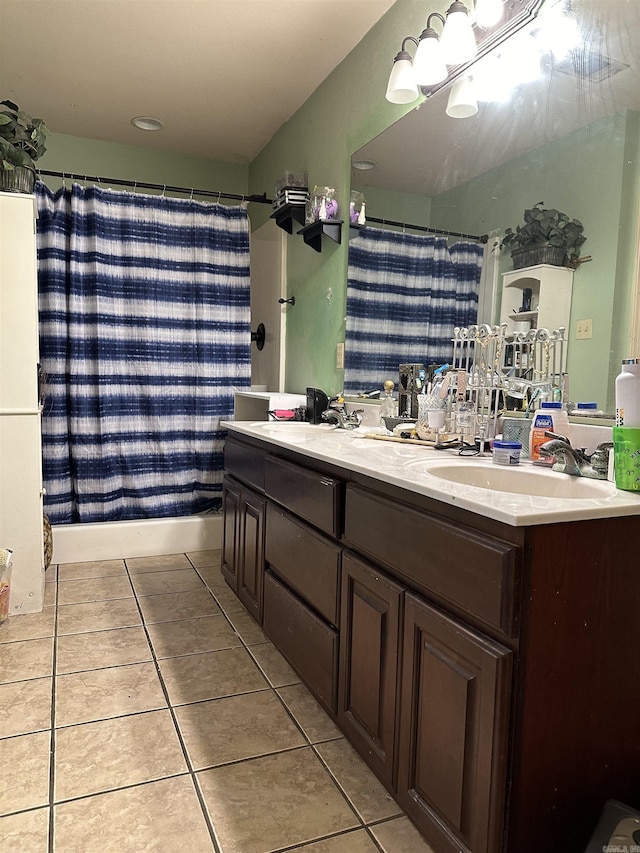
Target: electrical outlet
584, 330
339, 356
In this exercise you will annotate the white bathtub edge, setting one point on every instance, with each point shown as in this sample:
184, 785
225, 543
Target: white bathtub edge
116, 540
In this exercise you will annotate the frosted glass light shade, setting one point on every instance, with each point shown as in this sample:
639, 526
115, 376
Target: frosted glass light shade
488, 12
462, 100
458, 41
429, 66
402, 88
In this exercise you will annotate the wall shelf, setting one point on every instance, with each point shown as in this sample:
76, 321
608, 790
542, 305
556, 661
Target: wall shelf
312, 234
289, 215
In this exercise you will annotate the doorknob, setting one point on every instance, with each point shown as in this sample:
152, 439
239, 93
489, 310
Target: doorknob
259, 336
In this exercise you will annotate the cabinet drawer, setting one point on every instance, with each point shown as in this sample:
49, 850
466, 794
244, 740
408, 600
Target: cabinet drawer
310, 646
305, 560
309, 494
245, 462
474, 572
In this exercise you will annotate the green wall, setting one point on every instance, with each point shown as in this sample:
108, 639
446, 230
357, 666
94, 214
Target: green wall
346, 110
132, 163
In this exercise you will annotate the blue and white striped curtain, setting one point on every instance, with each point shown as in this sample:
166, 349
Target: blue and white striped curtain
405, 295
144, 332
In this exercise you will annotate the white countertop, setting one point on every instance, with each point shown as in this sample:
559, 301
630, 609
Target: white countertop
408, 467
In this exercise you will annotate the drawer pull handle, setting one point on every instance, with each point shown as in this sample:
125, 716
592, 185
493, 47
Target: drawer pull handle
326, 482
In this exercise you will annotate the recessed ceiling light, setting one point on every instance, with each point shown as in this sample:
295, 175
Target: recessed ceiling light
147, 123
364, 165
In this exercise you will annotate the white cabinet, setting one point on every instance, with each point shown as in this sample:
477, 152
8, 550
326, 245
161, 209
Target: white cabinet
20, 452
550, 297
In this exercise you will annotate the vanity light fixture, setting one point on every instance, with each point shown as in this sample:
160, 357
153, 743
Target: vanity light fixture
364, 165
442, 59
463, 102
147, 123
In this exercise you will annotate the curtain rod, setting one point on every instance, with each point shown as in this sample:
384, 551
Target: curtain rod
258, 199
484, 238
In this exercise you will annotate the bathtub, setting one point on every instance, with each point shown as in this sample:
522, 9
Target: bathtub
77, 543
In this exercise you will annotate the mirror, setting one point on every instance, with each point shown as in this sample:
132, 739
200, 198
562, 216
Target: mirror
571, 139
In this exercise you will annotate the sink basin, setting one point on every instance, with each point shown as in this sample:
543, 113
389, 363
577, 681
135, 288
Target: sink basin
519, 480
292, 426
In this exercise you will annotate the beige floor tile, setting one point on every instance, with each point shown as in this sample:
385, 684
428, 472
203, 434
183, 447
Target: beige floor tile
164, 563
356, 841
30, 626
95, 569
298, 802
24, 772
26, 659
248, 628
27, 832
156, 583
99, 649
98, 616
93, 589
153, 818
400, 836
178, 605
211, 675
213, 577
228, 600
310, 716
192, 636
50, 594
51, 574
205, 558
83, 697
235, 728
368, 795
274, 666
124, 751
25, 707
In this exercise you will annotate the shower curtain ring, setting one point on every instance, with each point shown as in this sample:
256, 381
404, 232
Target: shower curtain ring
219, 194
191, 194
164, 188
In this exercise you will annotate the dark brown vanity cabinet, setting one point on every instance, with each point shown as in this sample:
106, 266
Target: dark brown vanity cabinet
369, 662
485, 672
453, 734
243, 544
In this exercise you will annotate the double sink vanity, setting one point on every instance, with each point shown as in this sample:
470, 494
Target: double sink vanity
470, 627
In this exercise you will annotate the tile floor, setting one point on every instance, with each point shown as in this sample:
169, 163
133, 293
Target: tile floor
144, 711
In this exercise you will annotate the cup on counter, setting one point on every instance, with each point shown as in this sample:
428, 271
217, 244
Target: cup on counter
626, 458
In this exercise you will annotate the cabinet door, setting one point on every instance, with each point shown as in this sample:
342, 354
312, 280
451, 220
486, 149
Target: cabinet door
251, 553
369, 644
230, 531
454, 712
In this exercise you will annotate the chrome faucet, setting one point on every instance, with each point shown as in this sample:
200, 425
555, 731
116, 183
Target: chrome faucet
576, 463
339, 416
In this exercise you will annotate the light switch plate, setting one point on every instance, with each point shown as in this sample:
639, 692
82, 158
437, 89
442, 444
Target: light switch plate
584, 330
340, 356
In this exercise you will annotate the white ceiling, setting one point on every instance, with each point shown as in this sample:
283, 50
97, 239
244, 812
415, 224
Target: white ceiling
223, 75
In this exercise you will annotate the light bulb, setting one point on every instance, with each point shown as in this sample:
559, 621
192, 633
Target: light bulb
458, 41
488, 12
429, 66
402, 88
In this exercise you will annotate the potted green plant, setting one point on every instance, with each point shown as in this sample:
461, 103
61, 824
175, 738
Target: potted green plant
22, 141
547, 237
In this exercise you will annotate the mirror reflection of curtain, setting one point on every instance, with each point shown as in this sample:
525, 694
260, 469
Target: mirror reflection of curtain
405, 295
144, 332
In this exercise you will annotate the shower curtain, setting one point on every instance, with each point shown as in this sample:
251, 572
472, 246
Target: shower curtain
405, 295
144, 333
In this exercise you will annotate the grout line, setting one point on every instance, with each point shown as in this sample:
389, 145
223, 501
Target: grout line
183, 746
52, 753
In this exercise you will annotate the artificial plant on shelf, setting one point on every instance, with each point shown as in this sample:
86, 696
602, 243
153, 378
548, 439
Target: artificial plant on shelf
547, 236
22, 142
